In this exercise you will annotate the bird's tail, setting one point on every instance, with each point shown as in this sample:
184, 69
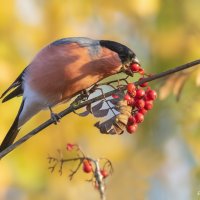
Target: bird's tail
13, 131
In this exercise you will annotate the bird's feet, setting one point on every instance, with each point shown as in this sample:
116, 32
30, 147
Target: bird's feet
54, 116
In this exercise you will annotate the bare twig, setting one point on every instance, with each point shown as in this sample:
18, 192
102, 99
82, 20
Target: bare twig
71, 108
99, 179
97, 176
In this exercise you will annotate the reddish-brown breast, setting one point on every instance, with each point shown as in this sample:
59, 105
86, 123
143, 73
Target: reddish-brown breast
59, 72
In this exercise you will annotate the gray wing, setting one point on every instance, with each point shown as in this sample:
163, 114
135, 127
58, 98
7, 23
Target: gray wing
92, 45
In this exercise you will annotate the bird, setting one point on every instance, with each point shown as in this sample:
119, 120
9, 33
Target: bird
59, 72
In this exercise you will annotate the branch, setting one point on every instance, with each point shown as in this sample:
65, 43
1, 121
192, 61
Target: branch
72, 108
99, 173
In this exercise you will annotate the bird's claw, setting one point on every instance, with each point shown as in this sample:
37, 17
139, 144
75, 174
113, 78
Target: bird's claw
84, 95
55, 117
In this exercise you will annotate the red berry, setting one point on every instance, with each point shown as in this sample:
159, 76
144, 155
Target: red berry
139, 103
139, 117
131, 102
131, 120
143, 84
141, 71
115, 96
142, 110
104, 173
87, 166
139, 93
127, 97
133, 93
130, 87
151, 94
148, 105
131, 128
135, 67
70, 146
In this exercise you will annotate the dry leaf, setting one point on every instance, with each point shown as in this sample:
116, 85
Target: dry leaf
101, 113
84, 114
174, 83
105, 126
166, 87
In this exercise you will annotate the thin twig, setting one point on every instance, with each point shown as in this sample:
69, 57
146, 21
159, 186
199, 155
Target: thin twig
99, 179
71, 108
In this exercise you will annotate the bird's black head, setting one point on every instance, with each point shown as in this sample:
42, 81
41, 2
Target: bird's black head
126, 55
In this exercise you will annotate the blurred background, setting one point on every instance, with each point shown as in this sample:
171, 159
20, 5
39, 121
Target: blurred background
160, 161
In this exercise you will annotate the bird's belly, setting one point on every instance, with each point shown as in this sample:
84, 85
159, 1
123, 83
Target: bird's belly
78, 86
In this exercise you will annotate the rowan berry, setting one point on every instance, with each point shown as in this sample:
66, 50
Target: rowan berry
127, 97
143, 84
148, 105
131, 120
131, 128
87, 166
135, 67
130, 88
131, 102
139, 103
141, 71
104, 173
139, 117
142, 110
151, 94
139, 93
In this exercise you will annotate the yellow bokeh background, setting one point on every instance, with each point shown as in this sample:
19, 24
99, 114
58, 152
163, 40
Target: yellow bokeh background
161, 161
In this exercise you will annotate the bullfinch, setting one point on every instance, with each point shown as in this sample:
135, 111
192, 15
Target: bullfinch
60, 71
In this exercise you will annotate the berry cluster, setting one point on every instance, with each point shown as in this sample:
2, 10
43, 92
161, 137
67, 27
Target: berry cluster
140, 99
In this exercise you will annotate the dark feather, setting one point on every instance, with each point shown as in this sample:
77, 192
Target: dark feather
12, 133
123, 51
17, 92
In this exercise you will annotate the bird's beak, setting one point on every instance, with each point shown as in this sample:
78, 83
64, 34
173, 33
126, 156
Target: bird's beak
126, 69
135, 60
